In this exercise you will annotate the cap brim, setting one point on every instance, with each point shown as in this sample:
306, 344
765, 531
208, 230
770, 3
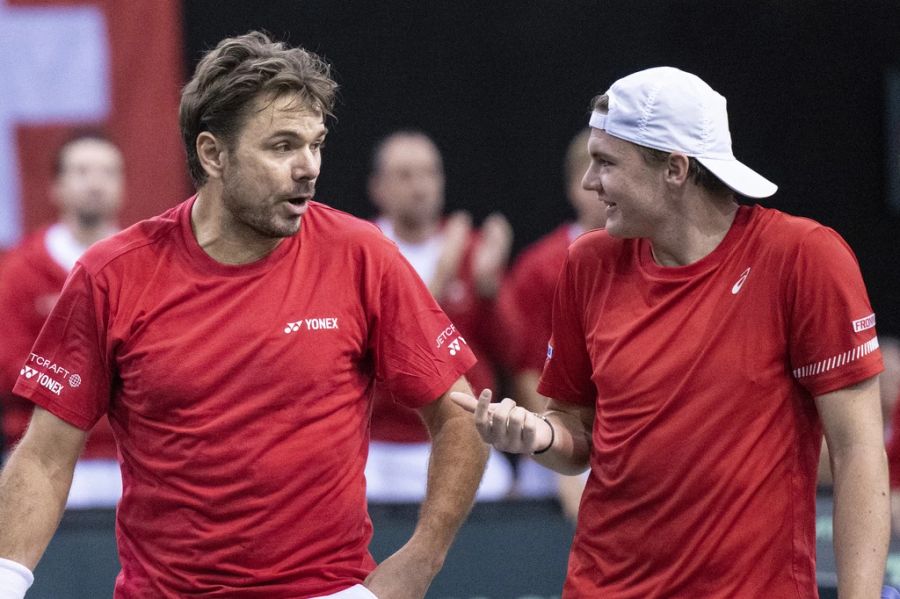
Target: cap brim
740, 178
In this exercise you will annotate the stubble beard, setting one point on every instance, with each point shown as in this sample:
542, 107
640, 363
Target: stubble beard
259, 217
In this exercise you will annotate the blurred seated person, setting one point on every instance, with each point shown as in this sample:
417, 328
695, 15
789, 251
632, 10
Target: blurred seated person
463, 270
526, 305
87, 189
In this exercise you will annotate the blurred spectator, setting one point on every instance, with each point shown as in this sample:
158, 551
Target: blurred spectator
526, 302
87, 188
463, 270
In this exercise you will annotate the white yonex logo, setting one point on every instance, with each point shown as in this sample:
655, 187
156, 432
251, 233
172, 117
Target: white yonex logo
28, 372
312, 324
454, 345
75, 381
740, 282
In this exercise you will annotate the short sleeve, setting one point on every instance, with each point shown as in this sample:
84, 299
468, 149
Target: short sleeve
832, 340
67, 372
567, 369
418, 351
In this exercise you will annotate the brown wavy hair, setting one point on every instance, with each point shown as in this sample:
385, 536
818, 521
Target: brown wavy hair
237, 71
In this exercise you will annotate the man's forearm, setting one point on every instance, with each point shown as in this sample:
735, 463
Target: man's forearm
861, 519
458, 458
33, 496
571, 444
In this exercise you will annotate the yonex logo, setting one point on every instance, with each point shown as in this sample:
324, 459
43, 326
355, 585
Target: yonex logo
28, 372
455, 347
312, 324
740, 282
549, 351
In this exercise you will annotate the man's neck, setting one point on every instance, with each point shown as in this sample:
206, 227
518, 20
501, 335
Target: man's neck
692, 236
223, 240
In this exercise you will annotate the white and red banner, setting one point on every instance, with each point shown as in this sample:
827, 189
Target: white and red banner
64, 64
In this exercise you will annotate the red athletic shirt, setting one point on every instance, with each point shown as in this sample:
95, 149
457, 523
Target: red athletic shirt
30, 282
475, 317
706, 436
526, 300
240, 397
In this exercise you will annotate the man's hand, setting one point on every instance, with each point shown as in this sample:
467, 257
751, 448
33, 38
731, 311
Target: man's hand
455, 234
492, 254
506, 426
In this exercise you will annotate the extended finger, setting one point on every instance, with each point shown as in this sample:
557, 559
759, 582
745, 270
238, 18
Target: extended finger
483, 413
466, 401
516, 423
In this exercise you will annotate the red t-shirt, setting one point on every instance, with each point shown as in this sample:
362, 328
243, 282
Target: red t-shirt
526, 300
30, 282
240, 397
706, 437
474, 316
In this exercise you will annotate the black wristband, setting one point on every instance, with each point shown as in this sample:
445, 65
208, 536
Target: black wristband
552, 436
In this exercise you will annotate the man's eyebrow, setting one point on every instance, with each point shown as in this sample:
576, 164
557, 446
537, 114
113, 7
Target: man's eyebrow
294, 134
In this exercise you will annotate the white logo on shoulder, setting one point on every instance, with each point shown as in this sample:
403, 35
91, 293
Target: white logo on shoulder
864, 324
454, 346
740, 282
444, 335
312, 324
44, 379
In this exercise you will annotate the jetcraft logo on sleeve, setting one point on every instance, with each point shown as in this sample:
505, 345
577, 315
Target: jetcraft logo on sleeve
44, 379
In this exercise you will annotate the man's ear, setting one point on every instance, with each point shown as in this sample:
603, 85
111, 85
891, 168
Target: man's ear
677, 168
211, 152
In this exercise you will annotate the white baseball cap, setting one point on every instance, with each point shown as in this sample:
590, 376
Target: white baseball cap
670, 110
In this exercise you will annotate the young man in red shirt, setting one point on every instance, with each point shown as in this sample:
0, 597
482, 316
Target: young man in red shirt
234, 342
87, 188
699, 349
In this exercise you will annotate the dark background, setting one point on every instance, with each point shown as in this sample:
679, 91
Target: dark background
503, 85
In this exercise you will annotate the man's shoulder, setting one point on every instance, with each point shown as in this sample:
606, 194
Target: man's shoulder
333, 226
548, 251
779, 230
596, 244
135, 242
32, 246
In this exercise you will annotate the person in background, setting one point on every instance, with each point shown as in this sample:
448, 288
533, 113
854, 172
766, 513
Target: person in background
700, 348
526, 307
463, 269
87, 188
